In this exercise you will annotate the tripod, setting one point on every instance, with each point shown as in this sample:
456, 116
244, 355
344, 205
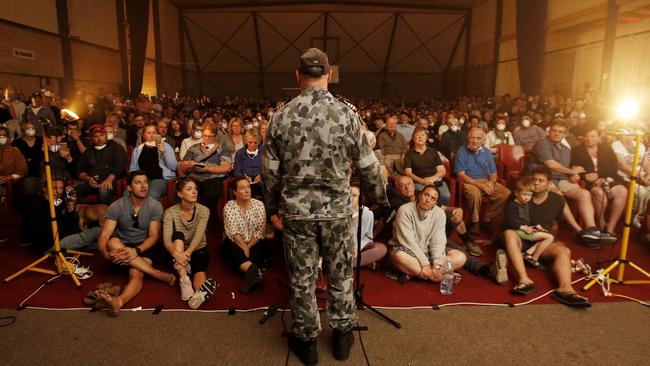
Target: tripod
60, 262
358, 287
622, 260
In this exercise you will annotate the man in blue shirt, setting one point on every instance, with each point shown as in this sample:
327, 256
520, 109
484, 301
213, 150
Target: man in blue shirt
476, 168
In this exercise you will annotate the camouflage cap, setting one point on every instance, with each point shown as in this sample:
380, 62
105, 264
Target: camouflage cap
314, 63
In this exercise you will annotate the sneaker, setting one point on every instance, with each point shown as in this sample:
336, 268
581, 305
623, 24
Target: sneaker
252, 278
607, 238
186, 288
475, 228
203, 294
342, 343
473, 249
499, 269
590, 233
321, 282
305, 350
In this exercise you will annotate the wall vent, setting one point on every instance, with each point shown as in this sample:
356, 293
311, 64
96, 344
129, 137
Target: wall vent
25, 54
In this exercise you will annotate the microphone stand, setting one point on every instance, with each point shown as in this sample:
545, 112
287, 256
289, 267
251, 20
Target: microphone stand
358, 287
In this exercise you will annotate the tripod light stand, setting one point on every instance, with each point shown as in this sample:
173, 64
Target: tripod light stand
61, 263
622, 259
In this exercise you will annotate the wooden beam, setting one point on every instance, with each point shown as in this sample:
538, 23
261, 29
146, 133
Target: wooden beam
121, 43
67, 85
388, 52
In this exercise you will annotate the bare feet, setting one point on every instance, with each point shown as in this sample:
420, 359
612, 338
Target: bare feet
114, 302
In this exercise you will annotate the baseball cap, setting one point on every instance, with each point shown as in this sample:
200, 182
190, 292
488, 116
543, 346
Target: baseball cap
314, 62
96, 129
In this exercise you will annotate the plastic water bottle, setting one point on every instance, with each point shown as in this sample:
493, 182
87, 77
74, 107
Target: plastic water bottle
447, 283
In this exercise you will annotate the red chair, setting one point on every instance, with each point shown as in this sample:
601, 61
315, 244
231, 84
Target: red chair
511, 163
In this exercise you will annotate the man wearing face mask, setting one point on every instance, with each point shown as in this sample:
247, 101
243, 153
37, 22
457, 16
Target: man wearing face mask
527, 134
62, 163
100, 166
452, 139
195, 138
37, 112
111, 135
31, 146
498, 135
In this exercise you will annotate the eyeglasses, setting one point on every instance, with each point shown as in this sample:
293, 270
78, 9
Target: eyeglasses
136, 223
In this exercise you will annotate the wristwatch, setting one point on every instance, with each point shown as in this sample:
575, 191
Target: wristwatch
437, 266
138, 251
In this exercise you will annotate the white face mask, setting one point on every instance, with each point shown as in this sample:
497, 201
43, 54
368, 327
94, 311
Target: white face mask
454, 128
209, 146
525, 123
100, 147
3, 140
150, 143
252, 153
248, 127
461, 121
55, 148
256, 124
198, 134
109, 136
501, 127
30, 132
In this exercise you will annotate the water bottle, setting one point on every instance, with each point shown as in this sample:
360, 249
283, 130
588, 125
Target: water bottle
447, 283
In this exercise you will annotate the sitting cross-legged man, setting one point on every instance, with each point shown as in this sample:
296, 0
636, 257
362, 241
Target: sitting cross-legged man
496, 272
128, 239
418, 246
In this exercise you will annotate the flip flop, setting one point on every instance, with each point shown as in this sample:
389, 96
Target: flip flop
532, 262
570, 299
523, 289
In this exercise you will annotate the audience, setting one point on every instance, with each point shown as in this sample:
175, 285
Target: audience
157, 159
248, 162
392, 144
498, 135
195, 138
244, 247
424, 166
624, 149
184, 228
371, 251
476, 168
528, 133
13, 165
31, 146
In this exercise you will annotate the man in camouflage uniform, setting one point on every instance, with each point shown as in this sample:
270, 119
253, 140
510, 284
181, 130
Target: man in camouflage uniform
312, 141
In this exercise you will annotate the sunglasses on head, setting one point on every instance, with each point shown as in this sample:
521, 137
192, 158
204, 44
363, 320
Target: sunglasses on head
136, 223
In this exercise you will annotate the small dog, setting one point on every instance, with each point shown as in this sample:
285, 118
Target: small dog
91, 213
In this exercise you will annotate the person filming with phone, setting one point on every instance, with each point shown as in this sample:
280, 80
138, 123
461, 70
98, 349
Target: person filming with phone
208, 163
156, 158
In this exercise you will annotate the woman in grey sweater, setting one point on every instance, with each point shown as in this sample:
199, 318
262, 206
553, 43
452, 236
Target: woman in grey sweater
184, 226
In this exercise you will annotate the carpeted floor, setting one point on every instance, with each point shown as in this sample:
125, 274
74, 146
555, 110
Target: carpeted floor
606, 334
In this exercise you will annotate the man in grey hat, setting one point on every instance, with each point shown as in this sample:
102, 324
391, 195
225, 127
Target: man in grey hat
312, 141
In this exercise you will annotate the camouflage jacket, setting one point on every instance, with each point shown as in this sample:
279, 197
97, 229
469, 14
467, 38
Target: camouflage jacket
311, 144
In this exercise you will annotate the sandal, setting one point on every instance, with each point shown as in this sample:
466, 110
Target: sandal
523, 288
571, 299
532, 262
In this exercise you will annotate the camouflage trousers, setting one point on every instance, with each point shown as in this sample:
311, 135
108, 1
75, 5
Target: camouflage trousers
304, 242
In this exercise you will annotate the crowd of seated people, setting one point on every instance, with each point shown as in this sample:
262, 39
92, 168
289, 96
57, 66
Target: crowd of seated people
205, 145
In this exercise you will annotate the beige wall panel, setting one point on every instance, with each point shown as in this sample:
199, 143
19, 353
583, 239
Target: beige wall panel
171, 81
508, 50
169, 33
484, 22
508, 78
28, 84
47, 49
94, 21
509, 20
149, 78
22, 11
561, 8
95, 64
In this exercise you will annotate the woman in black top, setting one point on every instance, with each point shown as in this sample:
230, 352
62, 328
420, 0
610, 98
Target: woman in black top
176, 134
31, 146
601, 178
424, 166
157, 159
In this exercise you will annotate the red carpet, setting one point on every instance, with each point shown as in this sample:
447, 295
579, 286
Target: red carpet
379, 290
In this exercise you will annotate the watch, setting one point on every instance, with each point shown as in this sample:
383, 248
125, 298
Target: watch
138, 251
437, 266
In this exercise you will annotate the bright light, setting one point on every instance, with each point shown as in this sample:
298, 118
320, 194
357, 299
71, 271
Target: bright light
627, 110
69, 115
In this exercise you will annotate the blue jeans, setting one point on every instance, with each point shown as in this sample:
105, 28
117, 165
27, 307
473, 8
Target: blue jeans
104, 196
445, 195
86, 239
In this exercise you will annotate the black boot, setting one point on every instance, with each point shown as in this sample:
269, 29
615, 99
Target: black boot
305, 350
342, 343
